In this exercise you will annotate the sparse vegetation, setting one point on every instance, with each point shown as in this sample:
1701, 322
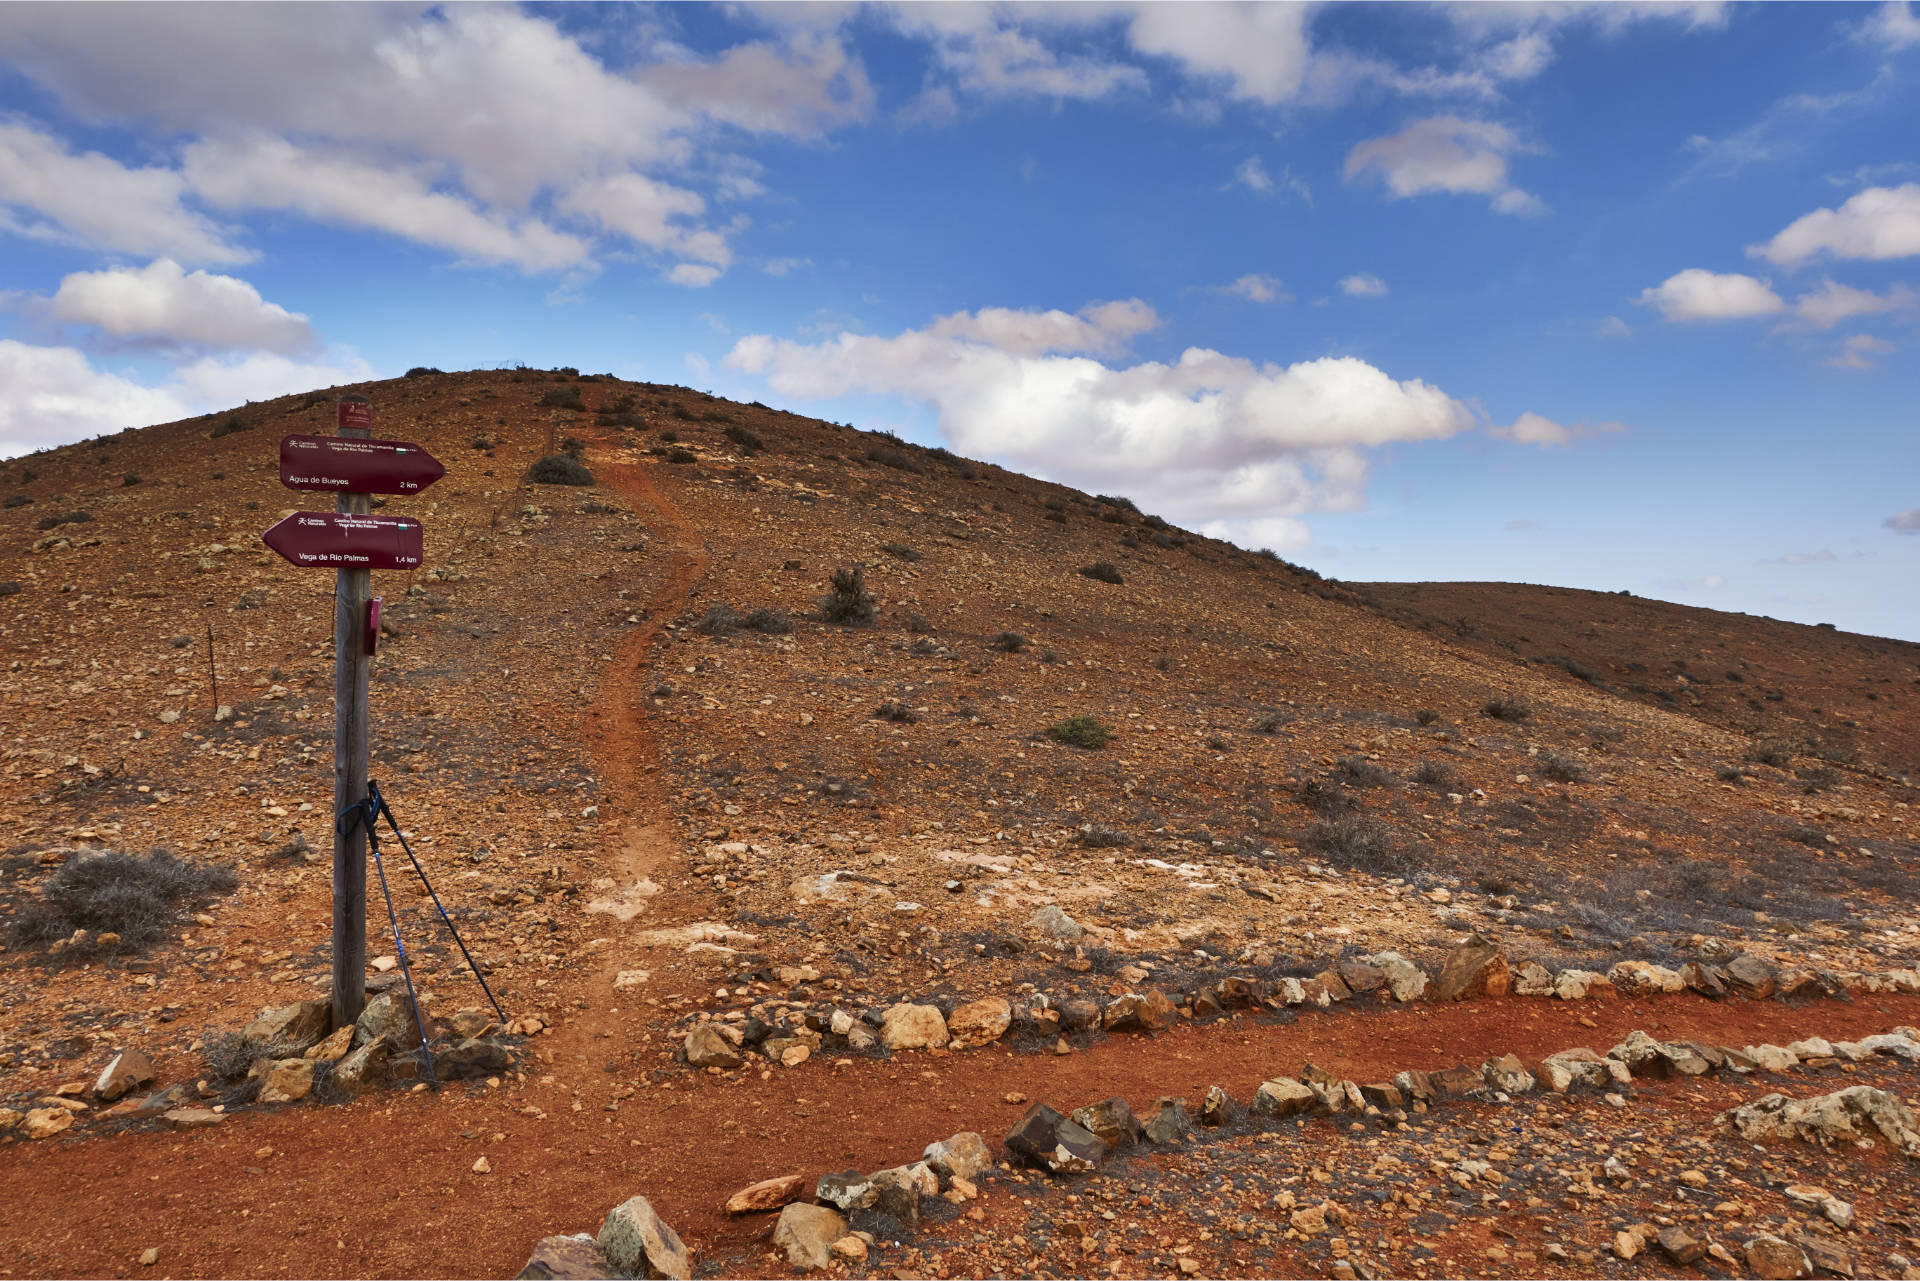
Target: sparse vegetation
1094, 837
1081, 731
1326, 799
229, 425
902, 552
1731, 774
123, 902
16, 500
1426, 716
563, 398
847, 602
897, 712
1433, 774
1009, 642
1772, 751
897, 459
1102, 570
1579, 671
70, 518
1361, 772
1357, 842
1507, 709
559, 469
681, 457
748, 441
1562, 769
1270, 722
719, 620
770, 622
422, 371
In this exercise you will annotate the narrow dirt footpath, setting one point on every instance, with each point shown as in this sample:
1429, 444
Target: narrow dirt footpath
386, 1188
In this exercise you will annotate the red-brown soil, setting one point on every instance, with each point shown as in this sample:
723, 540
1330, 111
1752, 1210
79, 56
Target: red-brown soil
556, 731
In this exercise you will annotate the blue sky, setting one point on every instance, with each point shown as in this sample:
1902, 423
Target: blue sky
1616, 296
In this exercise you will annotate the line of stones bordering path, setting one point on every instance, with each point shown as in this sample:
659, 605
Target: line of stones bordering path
788, 1032
853, 1214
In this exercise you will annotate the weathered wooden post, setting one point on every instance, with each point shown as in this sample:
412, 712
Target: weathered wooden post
351, 668
352, 542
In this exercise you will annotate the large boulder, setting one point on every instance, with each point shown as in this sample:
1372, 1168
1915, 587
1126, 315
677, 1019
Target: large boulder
390, 1015
291, 1029
980, 1022
1854, 1114
127, 1070
567, 1258
913, 1027
807, 1233
1474, 968
707, 1047
638, 1243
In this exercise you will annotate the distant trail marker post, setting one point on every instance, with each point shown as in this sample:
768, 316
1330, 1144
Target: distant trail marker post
352, 542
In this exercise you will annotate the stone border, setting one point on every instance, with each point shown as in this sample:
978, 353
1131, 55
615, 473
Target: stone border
789, 1032
852, 1213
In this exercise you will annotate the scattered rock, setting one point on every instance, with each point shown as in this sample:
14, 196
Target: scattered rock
1217, 1108
706, 1047
1167, 1123
287, 1081
1576, 985
807, 1233
638, 1243
1404, 980
913, 1027
331, 1048
980, 1022
127, 1070
1507, 1074
1045, 1138
1532, 979
191, 1118
291, 1029
1112, 1120
768, 1194
1282, 1096
1707, 979
1681, 1246
1149, 1012
964, 1156
1643, 978
1773, 1259
1056, 924
1852, 1114
850, 1248
475, 1056
44, 1123
1474, 968
567, 1258
1750, 977
390, 1015
362, 1069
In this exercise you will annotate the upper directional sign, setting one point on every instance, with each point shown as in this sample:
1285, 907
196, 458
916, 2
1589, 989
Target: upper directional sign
346, 465
334, 540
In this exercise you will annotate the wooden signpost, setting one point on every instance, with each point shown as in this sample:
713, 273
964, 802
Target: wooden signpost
353, 542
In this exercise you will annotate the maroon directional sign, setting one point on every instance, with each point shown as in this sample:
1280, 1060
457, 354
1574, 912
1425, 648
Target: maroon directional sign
331, 540
346, 465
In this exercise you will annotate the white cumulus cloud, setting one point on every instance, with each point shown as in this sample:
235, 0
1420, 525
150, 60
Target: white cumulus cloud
1906, 522
94, 200
1699, 294
1537, 429
1204, 437
1363, 285
1445, 154
1858, 352
165, 304
1833, 303
1258, 287
1876, 224
55, 394
1893, 26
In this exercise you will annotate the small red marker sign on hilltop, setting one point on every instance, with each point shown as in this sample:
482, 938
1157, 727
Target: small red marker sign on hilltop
354, 466
335, 540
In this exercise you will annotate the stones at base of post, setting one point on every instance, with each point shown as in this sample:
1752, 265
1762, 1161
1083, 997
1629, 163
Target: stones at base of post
638, 1243
291, 1029
390, 1015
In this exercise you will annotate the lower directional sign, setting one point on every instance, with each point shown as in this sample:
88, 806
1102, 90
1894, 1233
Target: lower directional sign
330, 540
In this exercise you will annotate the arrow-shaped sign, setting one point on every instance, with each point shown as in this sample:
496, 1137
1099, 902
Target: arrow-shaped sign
346, 465
332, 540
